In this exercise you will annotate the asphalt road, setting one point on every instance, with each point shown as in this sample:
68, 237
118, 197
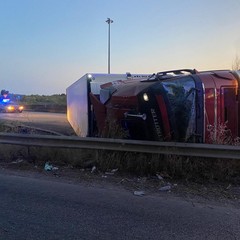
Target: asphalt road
44, 208
56, 122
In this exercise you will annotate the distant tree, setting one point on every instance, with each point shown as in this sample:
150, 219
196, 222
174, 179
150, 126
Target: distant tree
236, 63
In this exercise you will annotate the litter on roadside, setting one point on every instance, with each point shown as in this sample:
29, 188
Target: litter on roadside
94, 168
18, 161
159, 177
165, 188
49, 167
139, 193
109, 173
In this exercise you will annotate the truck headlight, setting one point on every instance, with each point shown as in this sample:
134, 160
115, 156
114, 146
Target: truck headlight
90, 77
145, 97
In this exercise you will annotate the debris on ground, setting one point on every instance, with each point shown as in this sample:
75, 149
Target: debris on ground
111, 172
165, 188
94, 169
139, 193
19, 160
49, 167
124, 180
114, 170
159, 177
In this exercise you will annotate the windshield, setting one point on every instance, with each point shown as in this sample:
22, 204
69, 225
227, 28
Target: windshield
181, 96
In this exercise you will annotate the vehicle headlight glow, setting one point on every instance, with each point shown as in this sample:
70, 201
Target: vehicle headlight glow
20, 108
10, 108
145, 97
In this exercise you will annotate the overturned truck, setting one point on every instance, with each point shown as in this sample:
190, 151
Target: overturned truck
177, 105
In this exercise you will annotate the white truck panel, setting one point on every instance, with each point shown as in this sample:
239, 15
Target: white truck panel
77, 107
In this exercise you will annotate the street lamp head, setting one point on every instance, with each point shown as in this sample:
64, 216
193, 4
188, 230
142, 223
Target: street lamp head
109, 21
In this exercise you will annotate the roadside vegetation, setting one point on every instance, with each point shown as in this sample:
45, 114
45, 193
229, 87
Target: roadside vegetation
52, 103
172, 167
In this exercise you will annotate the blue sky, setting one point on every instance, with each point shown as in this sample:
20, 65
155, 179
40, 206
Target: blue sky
46, 45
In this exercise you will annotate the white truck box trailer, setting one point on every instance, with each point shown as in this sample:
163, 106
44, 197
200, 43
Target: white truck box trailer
79, 112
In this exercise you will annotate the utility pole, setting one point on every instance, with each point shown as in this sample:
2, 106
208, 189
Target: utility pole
109, 21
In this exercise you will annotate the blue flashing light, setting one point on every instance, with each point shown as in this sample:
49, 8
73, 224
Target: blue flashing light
5, 100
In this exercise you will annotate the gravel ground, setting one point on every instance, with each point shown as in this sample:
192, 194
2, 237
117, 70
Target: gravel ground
217, 192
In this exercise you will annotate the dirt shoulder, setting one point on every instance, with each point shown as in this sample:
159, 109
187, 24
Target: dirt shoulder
157, 185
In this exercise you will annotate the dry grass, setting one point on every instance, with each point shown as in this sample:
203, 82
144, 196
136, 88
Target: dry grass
168, 166
113, 129
221, 134
176, 167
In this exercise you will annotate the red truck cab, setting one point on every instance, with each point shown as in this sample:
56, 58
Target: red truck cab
179, 105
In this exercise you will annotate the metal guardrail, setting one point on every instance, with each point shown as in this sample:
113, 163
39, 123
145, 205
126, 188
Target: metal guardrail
182, 149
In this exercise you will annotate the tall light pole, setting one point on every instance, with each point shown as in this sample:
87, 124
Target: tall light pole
109, 21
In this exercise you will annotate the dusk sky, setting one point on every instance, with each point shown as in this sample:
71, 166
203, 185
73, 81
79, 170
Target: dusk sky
46, 45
